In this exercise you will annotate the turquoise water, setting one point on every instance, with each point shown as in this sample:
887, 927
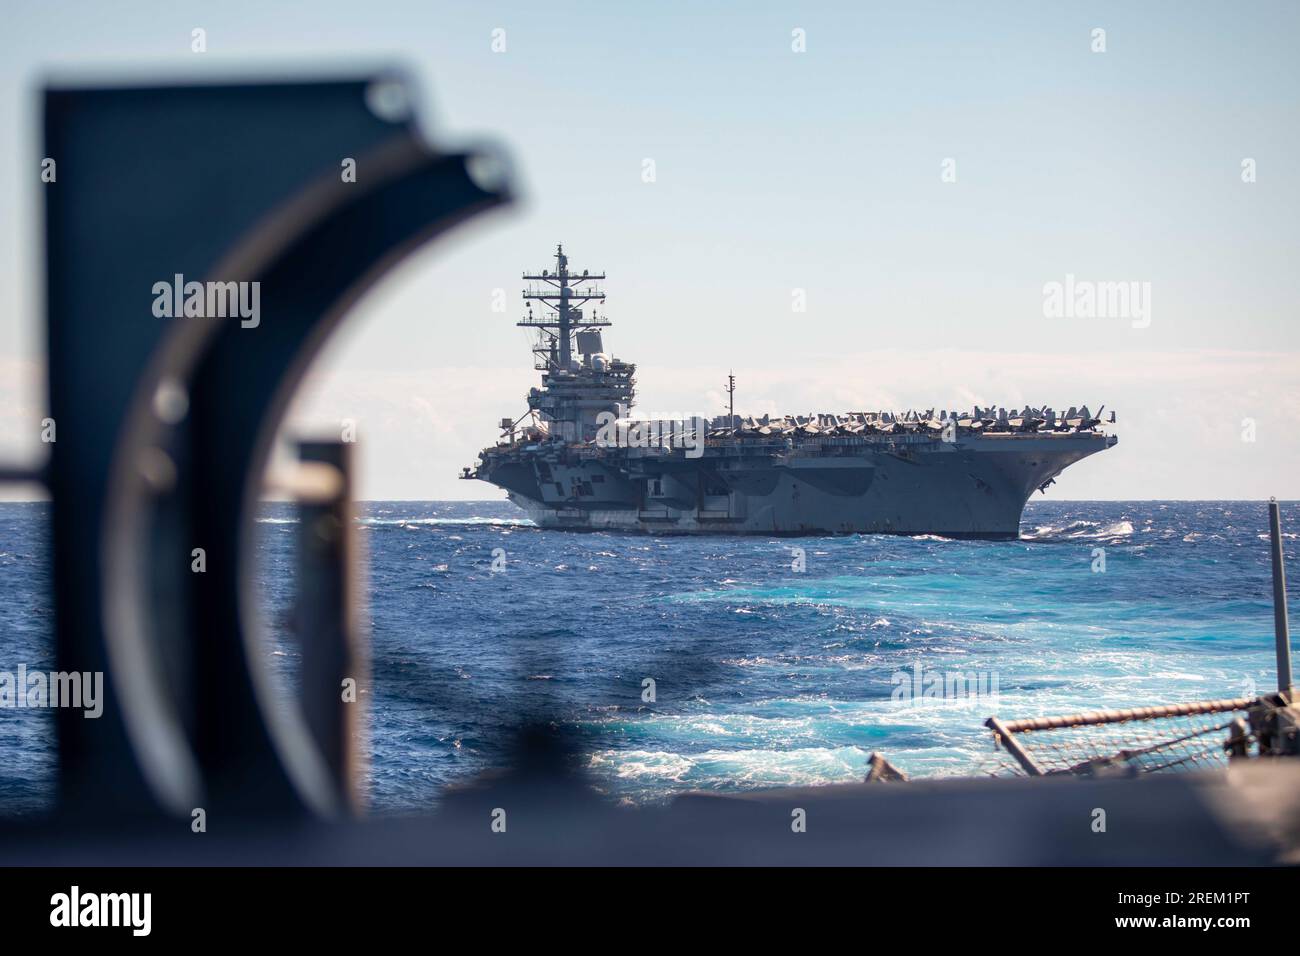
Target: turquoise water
763, 675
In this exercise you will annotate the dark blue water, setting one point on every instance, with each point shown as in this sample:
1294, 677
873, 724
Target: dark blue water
763, 675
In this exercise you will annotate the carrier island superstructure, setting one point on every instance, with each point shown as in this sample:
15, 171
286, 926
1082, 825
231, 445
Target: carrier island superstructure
576, 460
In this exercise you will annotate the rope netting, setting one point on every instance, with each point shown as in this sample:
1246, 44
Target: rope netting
1198, 736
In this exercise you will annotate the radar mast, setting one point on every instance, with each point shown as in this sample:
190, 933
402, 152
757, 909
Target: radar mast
558, 292
581, 383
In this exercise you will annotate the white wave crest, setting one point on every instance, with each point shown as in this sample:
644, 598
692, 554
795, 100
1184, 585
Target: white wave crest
1080, 530
476, 520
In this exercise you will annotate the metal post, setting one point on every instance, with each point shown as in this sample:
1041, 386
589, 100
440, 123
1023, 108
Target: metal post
327, 618
566, 353
1013, 747
1280, 629
1238, 739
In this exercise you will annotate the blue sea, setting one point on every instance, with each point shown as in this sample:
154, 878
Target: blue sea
770, 665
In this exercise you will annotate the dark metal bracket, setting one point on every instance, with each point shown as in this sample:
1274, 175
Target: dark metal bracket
166, 423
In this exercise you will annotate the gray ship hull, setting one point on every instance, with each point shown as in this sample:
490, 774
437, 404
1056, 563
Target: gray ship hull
974, 488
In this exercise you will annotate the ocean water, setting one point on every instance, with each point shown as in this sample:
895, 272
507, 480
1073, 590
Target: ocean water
763, 674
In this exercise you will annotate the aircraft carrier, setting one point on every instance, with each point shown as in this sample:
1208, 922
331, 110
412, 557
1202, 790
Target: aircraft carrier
576, 460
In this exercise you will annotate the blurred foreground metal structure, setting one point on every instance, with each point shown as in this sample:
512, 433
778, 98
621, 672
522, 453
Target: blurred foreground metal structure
298, 197
165, 426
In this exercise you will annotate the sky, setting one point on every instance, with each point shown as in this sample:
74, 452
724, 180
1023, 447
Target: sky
916, 176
